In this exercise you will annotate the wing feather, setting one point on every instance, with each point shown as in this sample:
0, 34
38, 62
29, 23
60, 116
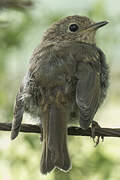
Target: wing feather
88, 91
18, 114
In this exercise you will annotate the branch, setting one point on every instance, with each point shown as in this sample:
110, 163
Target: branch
15, 4
74, 131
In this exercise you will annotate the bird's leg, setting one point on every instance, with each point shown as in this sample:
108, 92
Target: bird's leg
41, 132
94, 126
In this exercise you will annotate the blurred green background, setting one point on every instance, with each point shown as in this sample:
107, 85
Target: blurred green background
21, 27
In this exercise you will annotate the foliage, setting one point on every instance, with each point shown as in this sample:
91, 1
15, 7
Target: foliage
20, 32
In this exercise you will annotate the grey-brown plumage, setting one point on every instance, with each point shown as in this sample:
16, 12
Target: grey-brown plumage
66, 81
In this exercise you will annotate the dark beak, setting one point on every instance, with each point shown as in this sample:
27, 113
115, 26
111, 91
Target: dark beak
98, 25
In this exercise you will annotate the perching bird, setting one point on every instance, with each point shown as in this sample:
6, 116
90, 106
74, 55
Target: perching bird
66, 81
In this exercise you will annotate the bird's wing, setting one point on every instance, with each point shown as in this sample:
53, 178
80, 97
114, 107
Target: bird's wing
88, 92
18, 114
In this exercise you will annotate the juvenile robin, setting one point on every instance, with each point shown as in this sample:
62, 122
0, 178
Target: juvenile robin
66, 81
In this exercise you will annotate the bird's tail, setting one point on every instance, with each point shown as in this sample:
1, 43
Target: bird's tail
55, 152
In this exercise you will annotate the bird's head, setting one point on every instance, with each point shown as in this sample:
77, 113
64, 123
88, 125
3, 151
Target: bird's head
73, 28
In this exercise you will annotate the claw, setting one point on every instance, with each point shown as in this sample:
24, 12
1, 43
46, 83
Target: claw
97, 141
94, 126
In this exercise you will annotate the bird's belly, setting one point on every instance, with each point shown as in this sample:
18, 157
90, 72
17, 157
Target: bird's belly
74, 115
34, 103
31, 107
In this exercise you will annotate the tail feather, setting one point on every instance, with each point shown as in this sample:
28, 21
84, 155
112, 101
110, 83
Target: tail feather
18, 115
46, 164
55, 152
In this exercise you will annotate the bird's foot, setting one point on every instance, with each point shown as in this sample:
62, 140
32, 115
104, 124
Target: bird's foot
95, 126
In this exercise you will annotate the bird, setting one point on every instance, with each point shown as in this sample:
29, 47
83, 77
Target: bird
66, 82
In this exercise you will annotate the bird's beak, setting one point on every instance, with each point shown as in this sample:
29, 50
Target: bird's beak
98, 25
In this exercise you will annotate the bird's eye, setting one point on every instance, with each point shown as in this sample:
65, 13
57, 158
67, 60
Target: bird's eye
73, 27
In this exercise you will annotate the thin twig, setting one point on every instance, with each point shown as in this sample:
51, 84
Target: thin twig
74, 131
15, 4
